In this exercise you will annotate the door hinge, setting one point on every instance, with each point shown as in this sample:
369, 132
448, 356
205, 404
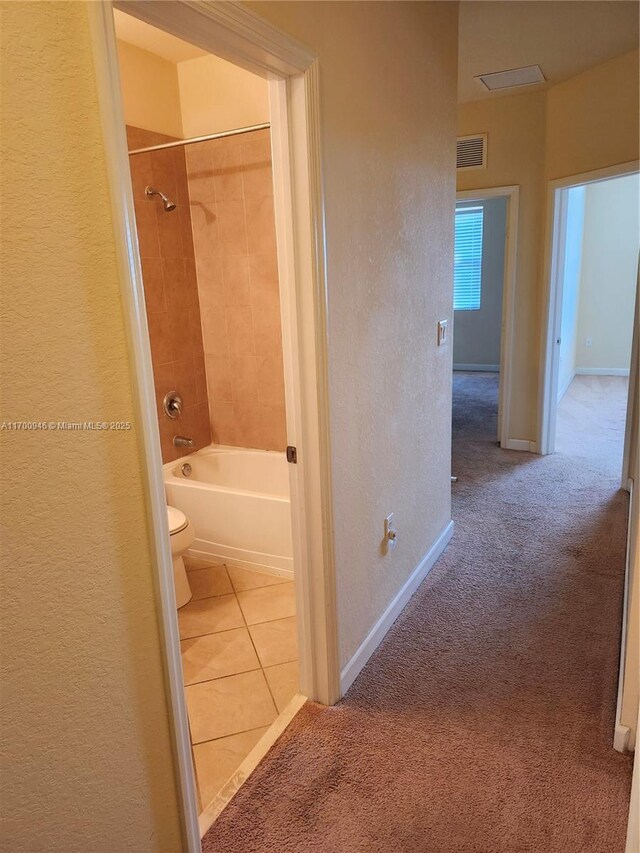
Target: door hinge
292, 454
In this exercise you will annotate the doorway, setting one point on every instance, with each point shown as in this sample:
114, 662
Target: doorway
593, 286
486, 227
247, 40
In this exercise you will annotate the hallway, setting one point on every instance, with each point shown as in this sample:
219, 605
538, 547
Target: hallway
484, 722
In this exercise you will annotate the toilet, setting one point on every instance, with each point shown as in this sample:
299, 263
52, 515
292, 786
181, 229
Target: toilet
182, 535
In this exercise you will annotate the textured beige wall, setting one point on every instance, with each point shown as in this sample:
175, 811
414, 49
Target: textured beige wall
388, 142
85, 728
216, 95
586, 123
609, 271
234, 232
515, 128
592, 119
150, 92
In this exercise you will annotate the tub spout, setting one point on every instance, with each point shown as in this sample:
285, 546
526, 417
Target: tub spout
182, 441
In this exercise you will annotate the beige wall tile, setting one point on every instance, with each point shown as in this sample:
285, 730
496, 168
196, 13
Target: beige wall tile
171, 295
236, 282
244, 384
231, 188
240, 330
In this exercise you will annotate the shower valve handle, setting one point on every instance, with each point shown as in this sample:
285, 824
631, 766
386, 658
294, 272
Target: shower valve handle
172, 404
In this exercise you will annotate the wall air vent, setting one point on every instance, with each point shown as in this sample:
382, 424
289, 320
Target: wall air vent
526, 76
472, 152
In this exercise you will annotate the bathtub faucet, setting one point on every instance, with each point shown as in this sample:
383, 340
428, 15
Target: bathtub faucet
182, 441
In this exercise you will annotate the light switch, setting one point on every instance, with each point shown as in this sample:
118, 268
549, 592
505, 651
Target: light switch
442, 333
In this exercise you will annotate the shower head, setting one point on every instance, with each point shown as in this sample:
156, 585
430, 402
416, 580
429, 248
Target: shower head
166, 202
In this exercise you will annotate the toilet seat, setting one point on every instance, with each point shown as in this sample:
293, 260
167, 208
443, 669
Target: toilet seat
177, 520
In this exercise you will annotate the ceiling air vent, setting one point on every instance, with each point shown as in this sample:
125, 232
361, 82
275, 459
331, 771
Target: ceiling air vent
472, 152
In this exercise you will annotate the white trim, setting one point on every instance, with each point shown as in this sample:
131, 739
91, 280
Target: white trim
135, 320
552, 296
479, 368
352, 669
512, 194
602, 371
621, 733
520, 444
631, 420
621, 738
229, 30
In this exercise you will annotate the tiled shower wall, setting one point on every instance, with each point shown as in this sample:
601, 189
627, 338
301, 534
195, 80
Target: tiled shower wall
171, 291
231, 195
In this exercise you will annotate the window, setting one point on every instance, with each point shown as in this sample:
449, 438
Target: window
467, 268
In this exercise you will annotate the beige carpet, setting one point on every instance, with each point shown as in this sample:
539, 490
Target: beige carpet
483, 723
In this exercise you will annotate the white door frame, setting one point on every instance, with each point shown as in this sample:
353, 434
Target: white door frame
512, 194
552, 299
231, 31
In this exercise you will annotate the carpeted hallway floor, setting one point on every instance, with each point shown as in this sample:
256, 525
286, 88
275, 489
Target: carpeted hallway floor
484, 722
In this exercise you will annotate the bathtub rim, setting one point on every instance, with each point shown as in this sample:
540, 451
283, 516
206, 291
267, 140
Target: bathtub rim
169, 477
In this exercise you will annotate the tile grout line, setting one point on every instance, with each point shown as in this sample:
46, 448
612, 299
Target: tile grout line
254, 649
223, 737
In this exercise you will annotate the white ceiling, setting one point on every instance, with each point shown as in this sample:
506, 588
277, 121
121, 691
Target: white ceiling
156, 41
563, 37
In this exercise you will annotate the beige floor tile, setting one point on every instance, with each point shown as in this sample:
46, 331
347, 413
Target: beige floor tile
217, 655
209, 615
283, 682
229, 706
193, 563
268, 603
205, 583
275, 642
247, 579
217, 760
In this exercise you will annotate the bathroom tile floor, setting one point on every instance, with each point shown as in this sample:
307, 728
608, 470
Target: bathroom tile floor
240, 664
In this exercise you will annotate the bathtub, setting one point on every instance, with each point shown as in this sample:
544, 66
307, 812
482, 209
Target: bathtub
238, 502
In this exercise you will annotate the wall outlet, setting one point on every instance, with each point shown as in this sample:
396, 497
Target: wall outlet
588, 342
442, 333
390, 531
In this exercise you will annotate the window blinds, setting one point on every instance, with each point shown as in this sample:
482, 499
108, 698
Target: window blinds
467, 276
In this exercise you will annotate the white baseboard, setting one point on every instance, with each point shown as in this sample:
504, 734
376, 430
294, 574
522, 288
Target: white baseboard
602, 371
479, 368
621, 738
266, 563
520, 444
375, 636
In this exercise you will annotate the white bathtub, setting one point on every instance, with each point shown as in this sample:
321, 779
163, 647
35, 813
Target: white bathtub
238, 502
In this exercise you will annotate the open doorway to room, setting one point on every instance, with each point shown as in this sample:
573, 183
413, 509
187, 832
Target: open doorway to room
479, 265
285, 220
486, 225
199, 144
593, 294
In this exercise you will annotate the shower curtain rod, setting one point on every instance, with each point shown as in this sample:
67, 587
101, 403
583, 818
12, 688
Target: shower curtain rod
201, 138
